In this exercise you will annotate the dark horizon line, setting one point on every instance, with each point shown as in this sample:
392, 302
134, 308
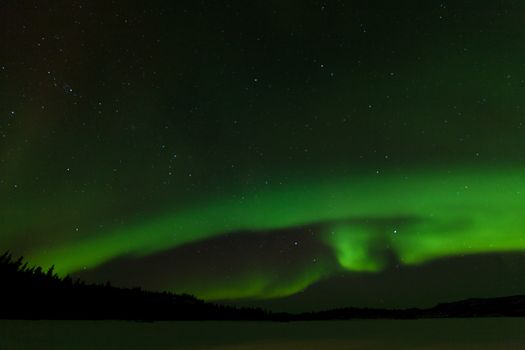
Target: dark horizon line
32, 293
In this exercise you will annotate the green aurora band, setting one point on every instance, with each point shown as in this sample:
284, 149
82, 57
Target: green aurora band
425, 215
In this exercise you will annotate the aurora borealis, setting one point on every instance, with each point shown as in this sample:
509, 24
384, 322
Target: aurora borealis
290, 154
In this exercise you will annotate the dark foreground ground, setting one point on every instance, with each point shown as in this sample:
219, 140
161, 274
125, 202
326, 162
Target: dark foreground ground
486, 333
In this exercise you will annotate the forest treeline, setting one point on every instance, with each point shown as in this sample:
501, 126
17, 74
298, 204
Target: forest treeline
29, 292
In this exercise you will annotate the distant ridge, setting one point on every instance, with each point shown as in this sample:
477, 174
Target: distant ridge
32, 293
512, 306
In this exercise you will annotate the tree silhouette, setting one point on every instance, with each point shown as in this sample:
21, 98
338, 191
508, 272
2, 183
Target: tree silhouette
32, 293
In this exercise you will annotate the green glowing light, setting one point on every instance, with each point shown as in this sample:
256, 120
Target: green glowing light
433, 215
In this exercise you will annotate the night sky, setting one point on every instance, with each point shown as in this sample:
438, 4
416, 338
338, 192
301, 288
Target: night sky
295, 155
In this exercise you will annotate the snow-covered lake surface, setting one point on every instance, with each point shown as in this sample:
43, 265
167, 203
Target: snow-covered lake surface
482, 334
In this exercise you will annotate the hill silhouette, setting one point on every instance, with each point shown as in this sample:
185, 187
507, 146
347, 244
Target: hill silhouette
32, 293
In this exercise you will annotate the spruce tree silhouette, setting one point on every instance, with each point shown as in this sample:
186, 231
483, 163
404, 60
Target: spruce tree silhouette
32, 293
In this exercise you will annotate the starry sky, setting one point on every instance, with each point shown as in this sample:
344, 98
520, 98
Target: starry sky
295, 155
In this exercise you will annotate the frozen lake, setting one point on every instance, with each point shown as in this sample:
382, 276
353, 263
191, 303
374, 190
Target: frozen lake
488, 333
